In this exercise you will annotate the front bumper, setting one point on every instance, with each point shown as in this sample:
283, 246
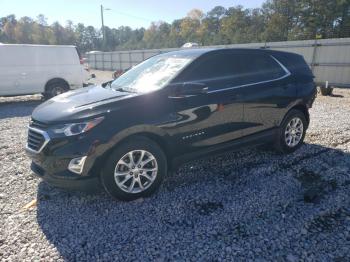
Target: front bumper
68, 180
51, 162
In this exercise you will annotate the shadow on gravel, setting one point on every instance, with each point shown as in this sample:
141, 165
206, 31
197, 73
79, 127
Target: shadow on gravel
10, 109
334, 95
209, 205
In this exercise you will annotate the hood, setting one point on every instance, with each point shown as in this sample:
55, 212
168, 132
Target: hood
78, 104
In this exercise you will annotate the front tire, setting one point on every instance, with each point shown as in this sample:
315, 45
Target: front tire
135, 169
55, 88
291, 133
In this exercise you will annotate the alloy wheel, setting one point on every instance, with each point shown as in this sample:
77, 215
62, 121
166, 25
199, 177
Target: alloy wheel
136, 171
294, 132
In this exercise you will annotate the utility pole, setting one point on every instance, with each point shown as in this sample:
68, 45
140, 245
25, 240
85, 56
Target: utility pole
103, 29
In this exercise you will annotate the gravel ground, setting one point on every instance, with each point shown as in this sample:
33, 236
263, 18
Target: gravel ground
249, 205
101, 76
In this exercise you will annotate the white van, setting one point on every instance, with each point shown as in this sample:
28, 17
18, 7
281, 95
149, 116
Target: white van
46, 69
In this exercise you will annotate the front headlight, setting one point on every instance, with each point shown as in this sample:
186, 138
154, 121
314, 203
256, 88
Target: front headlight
77, 128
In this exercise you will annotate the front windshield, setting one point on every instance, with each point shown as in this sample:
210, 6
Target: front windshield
152, 74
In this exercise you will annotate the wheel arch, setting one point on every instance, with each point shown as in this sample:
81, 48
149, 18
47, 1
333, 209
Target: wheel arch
157, 137
56, 80
303, 109
300, 107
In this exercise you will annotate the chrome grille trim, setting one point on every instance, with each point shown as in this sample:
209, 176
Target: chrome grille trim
37, 124
34, 138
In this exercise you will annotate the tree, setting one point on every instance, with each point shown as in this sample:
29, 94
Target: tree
281, 17
234, 26
23, 30
175, 38
9, 24
324, 19
276, 20
41, 20
40, 30
195, 14
209, 31
92, 36
189, 27
217, 12
157, 35
342, 25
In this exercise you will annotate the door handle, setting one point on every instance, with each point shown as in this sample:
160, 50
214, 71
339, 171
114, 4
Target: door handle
23, 74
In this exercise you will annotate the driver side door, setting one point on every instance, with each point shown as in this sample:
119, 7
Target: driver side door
209, 118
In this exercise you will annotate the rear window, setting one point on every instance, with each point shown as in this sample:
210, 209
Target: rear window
240, 68
295, 64
259, 67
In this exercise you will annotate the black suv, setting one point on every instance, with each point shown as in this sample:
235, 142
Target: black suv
129, 132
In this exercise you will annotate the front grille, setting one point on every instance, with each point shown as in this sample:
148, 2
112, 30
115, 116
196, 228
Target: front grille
38, 124
36, 139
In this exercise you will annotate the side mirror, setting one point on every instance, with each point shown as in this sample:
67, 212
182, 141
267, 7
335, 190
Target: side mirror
193, 88
93, 76
106, 83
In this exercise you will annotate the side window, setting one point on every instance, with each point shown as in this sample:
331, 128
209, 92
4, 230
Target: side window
211, 68
259, 67
229, 70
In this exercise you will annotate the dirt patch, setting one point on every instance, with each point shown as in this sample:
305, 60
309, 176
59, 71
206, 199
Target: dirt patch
315, 188
328, 221
207, 208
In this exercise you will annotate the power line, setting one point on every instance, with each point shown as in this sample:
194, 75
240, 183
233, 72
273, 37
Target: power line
130, 15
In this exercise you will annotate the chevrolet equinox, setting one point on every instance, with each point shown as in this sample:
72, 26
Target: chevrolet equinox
128, 133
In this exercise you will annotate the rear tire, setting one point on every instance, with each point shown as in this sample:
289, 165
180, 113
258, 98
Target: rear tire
55, 88
291, 132
127, 179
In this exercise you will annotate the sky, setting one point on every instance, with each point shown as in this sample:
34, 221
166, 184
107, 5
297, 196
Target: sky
133, 13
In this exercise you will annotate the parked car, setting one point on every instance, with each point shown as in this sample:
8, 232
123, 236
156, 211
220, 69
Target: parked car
189, 45
166, 110
93, 52
35, 69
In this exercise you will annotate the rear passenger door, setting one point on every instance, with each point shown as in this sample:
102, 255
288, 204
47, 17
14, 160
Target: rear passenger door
266, 90
215, 117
